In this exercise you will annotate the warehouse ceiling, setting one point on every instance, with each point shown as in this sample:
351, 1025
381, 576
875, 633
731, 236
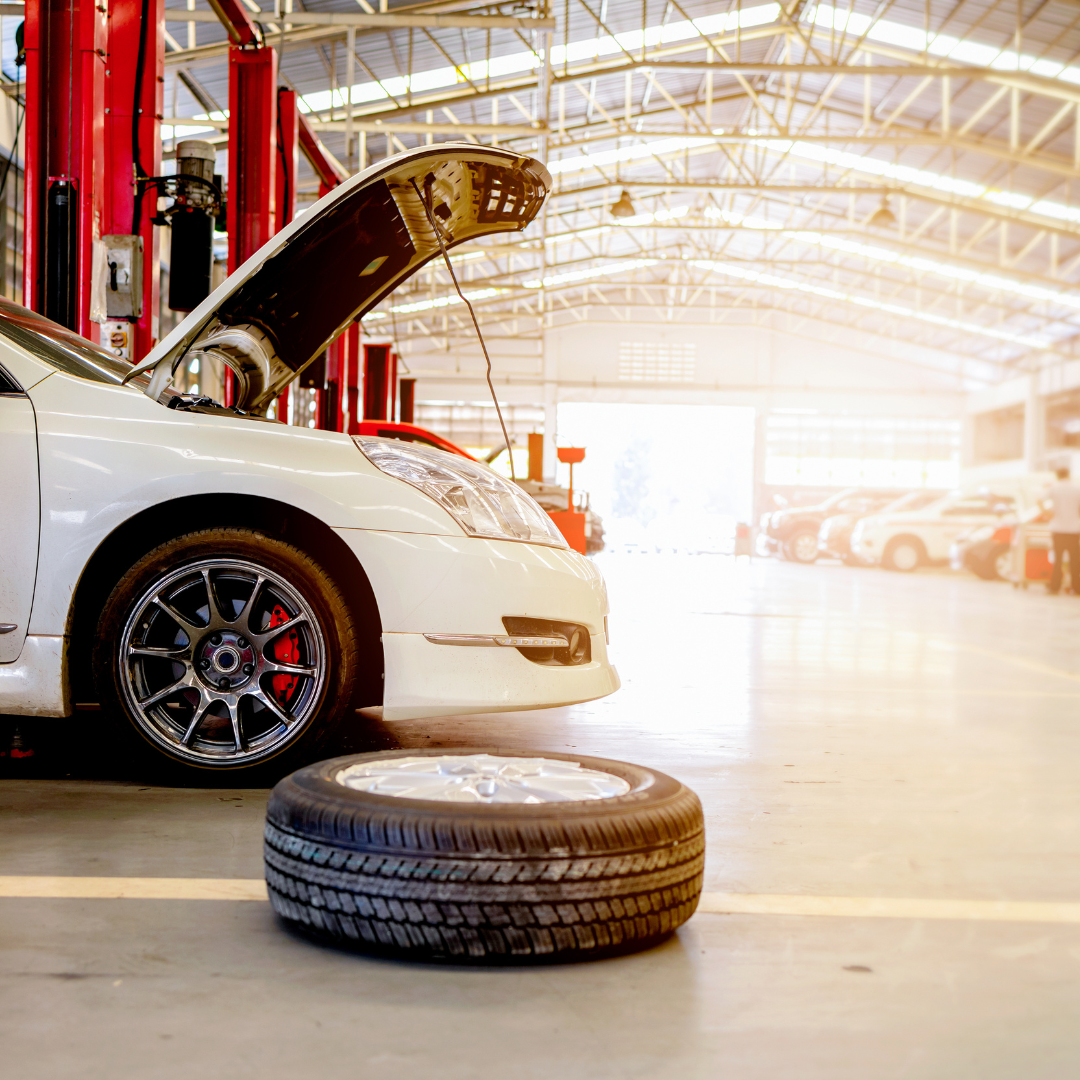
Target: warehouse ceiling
907, 169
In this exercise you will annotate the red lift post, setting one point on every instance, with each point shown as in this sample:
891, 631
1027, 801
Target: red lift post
336, 410
66, 45
253, 143
378, 383
135, 28
288, 146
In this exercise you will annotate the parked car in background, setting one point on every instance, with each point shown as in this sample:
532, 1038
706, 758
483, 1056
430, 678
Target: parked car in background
989, 550
985, 551
393, 429
909, 539
834, 536
793, 531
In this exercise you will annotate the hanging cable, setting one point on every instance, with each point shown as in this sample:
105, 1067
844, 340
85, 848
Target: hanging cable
397, 347
136, 113
425, 203
18, 128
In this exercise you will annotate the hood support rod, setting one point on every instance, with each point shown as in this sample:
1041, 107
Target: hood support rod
426, 203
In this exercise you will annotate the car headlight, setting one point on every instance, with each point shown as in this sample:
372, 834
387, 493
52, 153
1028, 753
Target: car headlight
476, 497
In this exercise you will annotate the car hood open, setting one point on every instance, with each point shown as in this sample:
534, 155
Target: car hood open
338, 259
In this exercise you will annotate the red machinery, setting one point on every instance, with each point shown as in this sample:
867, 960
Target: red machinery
93, 99
65, 44
571, 522
389, 429
94, 91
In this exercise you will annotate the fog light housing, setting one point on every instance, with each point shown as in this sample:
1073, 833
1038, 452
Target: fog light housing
578, 650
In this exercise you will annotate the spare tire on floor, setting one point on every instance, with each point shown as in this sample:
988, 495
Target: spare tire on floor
484, 855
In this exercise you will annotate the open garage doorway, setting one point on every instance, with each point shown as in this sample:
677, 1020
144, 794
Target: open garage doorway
663, 477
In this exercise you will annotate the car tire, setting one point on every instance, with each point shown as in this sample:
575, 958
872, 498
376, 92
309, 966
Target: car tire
904, 554
802, 547
468, 882
995, 567
243, 692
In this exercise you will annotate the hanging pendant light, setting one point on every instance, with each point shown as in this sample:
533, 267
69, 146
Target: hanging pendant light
882, 217
624, 207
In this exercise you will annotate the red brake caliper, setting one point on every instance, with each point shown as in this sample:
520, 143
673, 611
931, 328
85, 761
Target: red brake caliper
286, 650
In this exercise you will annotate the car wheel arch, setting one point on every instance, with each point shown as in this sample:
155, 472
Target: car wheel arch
904, 538
155, 525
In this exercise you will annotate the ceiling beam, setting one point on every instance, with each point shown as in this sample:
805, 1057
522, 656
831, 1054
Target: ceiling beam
378, 20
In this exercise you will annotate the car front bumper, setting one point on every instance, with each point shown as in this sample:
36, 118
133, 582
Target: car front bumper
428, 584
835, 545
865, 552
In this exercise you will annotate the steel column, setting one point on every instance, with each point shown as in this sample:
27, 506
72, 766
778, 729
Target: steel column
252, 196
377, 382
407, 400
351, 338
251, 216
288, 154
135, 25
288, 145
328, 171
65, 109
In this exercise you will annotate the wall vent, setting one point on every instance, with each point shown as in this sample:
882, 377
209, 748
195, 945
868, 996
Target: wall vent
641, 361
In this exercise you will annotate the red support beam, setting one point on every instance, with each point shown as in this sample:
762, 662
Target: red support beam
251, 215
65, 177
377, 382
407, 400
288, 125
126, 36
352, 378
288, 147
326, 169
392, 406
238, 24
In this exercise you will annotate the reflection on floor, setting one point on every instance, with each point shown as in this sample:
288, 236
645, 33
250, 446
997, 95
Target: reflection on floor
852, 734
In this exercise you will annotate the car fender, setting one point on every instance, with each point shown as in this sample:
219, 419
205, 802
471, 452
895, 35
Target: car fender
108, 452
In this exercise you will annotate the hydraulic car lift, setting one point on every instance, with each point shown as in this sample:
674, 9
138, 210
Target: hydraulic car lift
94, 94
90, 258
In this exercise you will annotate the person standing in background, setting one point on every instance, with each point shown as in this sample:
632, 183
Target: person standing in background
1064, 496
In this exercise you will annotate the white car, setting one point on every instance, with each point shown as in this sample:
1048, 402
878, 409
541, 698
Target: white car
907, 540
228, 588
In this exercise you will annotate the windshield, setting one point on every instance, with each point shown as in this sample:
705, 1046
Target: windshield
914, 500
57, 345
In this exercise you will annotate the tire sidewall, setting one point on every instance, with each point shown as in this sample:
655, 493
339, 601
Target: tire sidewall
896, 545
647, 788
253, 546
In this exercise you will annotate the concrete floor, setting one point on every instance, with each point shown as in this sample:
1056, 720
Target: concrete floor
851, 733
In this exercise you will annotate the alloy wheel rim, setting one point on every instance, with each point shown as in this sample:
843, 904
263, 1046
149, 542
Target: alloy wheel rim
482, 779
222, 662
905, 557
806, 548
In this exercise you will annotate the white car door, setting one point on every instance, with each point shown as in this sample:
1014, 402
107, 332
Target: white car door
19, 516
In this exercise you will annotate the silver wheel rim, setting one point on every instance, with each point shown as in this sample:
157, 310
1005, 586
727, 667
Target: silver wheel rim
805, 547
482, 778
222, 662
905, 557
1001, 564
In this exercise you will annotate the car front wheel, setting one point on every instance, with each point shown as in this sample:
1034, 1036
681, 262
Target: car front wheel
904, 554
996, 565
225, 647
803, 547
